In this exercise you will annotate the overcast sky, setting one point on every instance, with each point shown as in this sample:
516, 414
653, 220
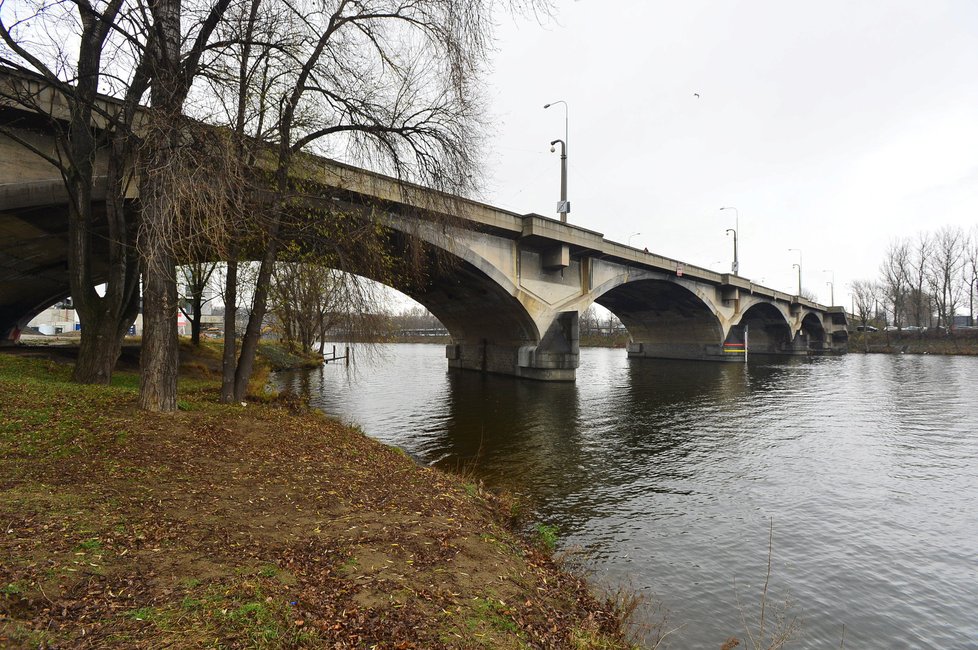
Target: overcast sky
832, 126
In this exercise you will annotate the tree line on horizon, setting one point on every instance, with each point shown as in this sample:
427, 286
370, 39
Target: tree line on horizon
924, 282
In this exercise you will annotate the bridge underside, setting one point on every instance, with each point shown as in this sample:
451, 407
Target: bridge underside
491, 330
666, 321
34, 263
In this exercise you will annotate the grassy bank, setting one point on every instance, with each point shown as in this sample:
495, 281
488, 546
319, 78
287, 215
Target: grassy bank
267, 525
964, 342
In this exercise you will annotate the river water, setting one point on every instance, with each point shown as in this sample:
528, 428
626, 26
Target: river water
672, 475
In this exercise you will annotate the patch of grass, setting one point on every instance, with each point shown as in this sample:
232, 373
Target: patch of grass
148, 614
545, 536
494, 614
25, 637
350, 566
13, 589
92, 544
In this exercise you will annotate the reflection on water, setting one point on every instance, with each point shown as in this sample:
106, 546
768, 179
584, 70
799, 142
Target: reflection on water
669, 474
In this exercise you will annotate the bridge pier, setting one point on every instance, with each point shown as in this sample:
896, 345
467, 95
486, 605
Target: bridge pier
683, 351
554, 358
526, 361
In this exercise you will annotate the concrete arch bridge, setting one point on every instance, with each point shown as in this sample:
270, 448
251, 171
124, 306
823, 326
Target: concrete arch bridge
512, 299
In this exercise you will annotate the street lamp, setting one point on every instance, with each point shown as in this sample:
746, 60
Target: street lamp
634, 234
798, 265
564, 206
735, 267
831, 286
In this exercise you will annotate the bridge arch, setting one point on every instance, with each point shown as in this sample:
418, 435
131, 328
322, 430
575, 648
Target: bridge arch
664, 318
768, 330
812, 333
487, 323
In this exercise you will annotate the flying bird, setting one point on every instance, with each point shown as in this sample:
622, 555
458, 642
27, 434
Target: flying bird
696, 95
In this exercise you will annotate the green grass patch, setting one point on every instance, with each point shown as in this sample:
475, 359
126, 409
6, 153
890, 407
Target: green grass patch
493, 615
14, 589
546, 536
93, 544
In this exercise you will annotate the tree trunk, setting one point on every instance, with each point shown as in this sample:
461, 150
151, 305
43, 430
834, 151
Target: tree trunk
196, 301
98, 350
230, 334
158, 359
249, 343
158, 380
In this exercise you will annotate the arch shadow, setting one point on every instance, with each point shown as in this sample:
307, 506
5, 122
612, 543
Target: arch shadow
665, 320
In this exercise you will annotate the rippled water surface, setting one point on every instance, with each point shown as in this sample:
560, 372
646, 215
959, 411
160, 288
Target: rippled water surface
670, 473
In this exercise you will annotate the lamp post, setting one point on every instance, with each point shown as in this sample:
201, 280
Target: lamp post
798, 265
564, 206
634, 234
831, 284
735, 267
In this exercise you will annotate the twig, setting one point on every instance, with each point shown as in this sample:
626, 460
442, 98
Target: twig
767, 577
662, 638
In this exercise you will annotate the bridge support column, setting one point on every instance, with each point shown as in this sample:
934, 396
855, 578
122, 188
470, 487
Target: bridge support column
682, 351
554, 358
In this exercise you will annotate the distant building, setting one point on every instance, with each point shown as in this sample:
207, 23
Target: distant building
60, 318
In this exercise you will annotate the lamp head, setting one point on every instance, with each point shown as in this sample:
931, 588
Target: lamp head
552, 148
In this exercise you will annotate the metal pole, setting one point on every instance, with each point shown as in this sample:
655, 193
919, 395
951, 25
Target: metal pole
736, 264
831, 286
798, 250
563, 207
733, 267
563, 181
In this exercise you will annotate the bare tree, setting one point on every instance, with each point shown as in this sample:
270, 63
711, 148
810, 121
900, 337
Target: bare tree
896, 273
971, 273
35, 42
146, 56
944, 273
196, 281
866, 297
589, 322
920, 300
385, 83
415, 318
311, 301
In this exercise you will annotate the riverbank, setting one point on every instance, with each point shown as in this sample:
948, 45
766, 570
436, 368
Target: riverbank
960, 342
263, 525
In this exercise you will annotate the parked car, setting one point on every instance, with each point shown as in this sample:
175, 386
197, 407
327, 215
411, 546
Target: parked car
866, 328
